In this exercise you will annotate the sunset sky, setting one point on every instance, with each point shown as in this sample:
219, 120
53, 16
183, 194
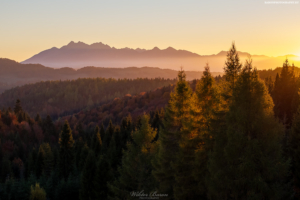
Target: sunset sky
204, 27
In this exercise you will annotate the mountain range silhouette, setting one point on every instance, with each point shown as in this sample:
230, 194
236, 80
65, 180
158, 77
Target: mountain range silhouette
78, 55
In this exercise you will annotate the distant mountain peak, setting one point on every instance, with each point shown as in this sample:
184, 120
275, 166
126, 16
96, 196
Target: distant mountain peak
155, 49
82, 45
170, 49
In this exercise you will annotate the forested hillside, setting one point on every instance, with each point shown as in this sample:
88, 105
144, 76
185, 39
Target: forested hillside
236, 137
57, 98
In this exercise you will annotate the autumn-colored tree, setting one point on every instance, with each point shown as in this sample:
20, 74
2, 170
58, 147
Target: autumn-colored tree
37, 193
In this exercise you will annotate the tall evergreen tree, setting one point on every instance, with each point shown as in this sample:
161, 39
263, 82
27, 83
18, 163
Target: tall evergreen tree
232, 69
107, 137
88, 189
284, 93
103, 176
294, 152
66, 157
196, 143
96, 141
177, 112
136, 170
247, 161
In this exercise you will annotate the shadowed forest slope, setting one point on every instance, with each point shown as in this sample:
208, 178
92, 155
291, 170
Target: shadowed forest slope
57, 98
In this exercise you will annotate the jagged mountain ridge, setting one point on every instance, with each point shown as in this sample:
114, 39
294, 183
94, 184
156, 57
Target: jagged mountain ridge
78, 55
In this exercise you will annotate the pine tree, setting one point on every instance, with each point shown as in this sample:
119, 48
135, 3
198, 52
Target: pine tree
107, 137
294, 151
103, 176
48, 162
83, 155
177, 112
270, 84
247, 161
285, 90
102, 132
126, 129
40, 162
49, 129
232, 69
135, 173
88, 187
66, 157
78, 148
96, 141
196, 143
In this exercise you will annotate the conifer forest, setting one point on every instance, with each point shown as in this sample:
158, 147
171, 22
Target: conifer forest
227, 137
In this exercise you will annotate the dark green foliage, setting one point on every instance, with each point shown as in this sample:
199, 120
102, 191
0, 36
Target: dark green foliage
218, 140
294, 152
177, 112
285, 94
107, 137
136, 170
96, 141
6, 171
232, 69
103, 176
88, 189
195, 143
66, 154
247, 162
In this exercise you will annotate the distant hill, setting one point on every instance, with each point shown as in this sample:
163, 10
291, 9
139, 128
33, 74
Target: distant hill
58, 98
14, 74
77, 55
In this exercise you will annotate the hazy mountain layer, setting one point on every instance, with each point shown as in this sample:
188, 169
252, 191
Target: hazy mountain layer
77, 55
15, 74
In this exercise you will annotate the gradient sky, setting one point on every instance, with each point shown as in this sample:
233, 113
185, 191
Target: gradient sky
201, 26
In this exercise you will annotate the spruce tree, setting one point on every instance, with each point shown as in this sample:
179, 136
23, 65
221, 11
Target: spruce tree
88, 187
102, 132
285, 91
66, 157
177, 113
48, 162
247, 161
196, 143
294, 151
232, 69
103, 176
96, 141
40, 162
107, 137
135, 171
83, 155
